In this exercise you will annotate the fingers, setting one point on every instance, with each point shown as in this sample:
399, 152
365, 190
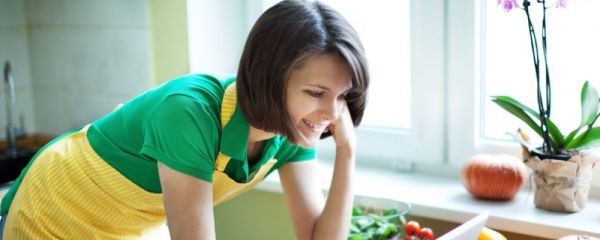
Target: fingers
342, 130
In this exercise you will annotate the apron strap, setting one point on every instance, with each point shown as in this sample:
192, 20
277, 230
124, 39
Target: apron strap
228, 104
227, 110
224, 188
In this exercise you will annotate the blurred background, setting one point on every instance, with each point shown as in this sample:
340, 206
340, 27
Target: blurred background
434, 65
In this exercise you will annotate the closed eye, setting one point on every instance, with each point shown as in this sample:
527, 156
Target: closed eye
314, 93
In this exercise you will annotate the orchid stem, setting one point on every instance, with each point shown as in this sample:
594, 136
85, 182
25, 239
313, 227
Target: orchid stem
536, 62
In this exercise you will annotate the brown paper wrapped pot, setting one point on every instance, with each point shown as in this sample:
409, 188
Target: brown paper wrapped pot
560, 185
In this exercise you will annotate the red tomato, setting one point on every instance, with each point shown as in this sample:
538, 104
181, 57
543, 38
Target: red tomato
408, 237
426, 234
412, 228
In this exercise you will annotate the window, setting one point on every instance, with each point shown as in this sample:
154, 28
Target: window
216, 34
482, 63
388, 52
572, 50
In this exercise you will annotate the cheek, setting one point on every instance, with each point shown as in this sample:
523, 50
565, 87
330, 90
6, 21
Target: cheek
296, 115
298, 108
291, 108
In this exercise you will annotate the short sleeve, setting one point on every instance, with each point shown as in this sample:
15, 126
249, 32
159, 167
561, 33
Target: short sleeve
183, 133
302, 154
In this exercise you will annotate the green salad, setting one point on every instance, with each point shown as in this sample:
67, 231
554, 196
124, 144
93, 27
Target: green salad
374, 225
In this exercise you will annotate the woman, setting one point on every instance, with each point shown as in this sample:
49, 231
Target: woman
176, 151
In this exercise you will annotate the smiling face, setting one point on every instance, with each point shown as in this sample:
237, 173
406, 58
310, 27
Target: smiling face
315, 95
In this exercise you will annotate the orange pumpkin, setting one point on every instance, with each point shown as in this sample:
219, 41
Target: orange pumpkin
497, 177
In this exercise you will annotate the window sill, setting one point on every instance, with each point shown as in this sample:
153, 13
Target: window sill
446, 199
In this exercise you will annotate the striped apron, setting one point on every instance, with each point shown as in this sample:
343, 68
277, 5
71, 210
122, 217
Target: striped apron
69, 192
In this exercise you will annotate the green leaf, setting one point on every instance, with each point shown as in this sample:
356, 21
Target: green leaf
554, 131
391, 211
356, 211
588, 139
510, 106
380, 224
354, 229
571, 136
589, 104
364, 222
386, 229
370, 233
357, 236
520, 111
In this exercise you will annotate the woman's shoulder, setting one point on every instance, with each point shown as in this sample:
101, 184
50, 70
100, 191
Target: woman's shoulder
205, 82
204, 87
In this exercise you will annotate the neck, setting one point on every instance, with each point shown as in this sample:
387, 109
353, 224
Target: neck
256, 139
258, 135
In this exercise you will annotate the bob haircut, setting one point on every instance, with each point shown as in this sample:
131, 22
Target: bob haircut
280, 40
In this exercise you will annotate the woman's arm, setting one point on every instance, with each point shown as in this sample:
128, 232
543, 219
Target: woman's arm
188, 204
300, 181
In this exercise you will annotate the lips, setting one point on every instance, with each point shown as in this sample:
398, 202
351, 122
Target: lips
315, 126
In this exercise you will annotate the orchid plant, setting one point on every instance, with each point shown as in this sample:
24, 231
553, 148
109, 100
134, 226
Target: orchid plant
555, 144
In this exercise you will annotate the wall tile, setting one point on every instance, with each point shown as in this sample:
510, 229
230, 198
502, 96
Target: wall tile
24, 106
14, 48
53, 110
131, 62
46, 12
130, 13
51, 61
87, 56
12, 13
111, 61
103, 104
26, 98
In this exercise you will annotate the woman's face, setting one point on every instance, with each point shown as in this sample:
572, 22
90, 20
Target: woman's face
315, 95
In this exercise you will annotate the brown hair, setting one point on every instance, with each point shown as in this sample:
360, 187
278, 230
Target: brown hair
282, 37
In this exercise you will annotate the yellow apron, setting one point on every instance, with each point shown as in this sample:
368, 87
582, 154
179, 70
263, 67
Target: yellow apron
224, 188
69, 192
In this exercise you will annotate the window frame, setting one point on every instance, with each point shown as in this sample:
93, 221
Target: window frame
466, 85
389, 147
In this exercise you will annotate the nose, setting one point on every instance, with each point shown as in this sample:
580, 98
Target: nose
332, 109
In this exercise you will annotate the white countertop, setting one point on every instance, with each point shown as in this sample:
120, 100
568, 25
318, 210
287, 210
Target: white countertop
446, 199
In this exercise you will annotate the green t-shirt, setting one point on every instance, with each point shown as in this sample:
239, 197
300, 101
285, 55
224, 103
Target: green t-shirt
178, 124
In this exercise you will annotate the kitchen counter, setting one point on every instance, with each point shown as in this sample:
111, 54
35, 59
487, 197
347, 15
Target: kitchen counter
31, 141
446, 199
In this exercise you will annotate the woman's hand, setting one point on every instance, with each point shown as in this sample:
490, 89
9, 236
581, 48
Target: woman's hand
334, 220
343, 131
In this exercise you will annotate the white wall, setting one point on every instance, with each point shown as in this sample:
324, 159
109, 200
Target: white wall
14, 48
73, 60
86, 57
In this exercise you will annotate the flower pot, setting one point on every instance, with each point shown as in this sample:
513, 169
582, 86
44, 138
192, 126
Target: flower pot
561, 185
